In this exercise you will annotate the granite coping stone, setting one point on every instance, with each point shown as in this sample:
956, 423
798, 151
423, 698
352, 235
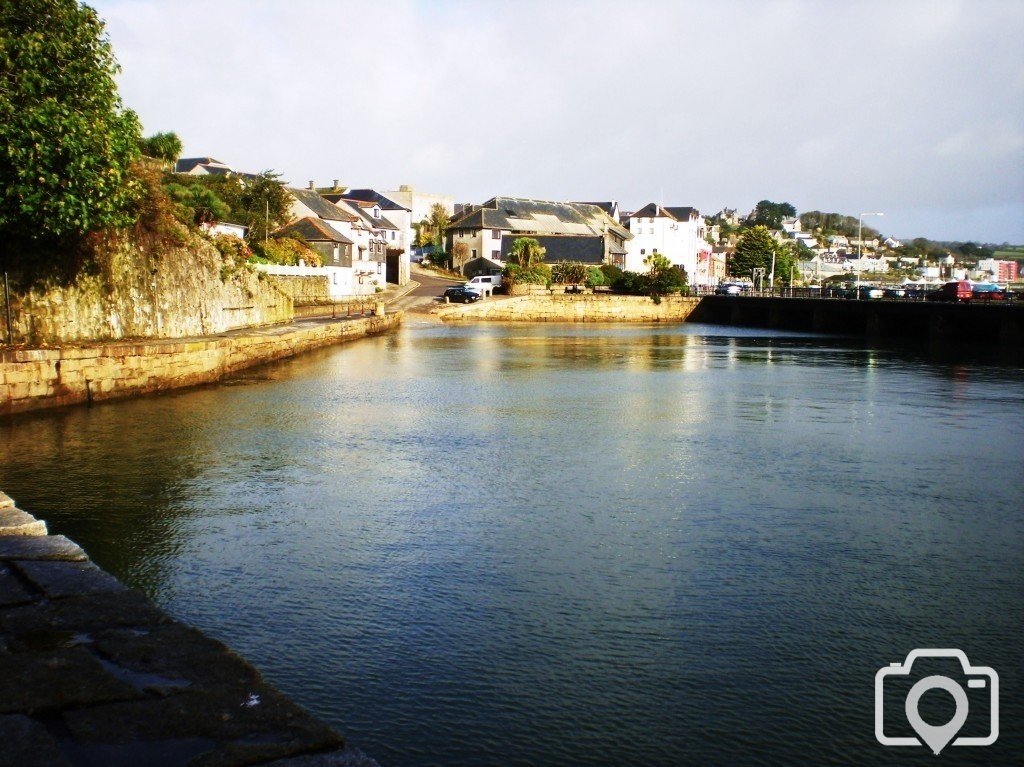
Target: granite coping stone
67, 579
52, 547
14, 521
89, 613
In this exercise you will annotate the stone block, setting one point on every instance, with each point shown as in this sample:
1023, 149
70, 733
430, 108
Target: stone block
14, 521
50, 547
69, 579
26, 743
177, 651
88, 614
12, 590
32, 682
248, 725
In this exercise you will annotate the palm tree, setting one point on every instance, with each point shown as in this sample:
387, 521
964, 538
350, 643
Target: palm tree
526, 252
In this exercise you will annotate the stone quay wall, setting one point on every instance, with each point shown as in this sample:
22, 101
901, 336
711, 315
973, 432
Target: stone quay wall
93, 673
33, 379
586, 307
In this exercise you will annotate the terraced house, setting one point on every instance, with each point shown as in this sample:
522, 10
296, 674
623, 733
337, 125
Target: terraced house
569, 231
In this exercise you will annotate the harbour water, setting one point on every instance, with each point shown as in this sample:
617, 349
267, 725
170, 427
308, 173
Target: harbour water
573, 545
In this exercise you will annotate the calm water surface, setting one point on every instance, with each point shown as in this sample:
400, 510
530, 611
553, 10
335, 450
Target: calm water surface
573, 545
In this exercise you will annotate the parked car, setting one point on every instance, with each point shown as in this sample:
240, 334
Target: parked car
461, 295
987, 291
485, 284
957, 290
729, 289
864, 292
895, 292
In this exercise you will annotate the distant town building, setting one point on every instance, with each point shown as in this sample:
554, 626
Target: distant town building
569, 231
678, 233
1001, 271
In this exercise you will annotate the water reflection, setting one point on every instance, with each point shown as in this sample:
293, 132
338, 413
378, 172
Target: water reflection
564, 544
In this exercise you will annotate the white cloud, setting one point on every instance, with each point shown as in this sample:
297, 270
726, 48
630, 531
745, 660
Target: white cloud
912, 107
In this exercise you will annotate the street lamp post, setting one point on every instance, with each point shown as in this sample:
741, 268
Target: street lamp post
860, 244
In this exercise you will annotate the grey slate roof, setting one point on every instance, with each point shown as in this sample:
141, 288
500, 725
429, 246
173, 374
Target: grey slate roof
538, 217
653, 210
185, 164
588, 249
372, 195
359, 212
323, 207
312, 230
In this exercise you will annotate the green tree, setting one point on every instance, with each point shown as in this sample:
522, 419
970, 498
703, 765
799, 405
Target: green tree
66, 142
161, 146
433, 228
263, 205
526, 253
569, 272
197, 203
753, 251
770, 214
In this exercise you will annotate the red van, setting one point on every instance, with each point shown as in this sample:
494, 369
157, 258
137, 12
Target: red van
958, 290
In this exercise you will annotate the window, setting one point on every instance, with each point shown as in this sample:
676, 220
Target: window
474, 252
642, 251
495, 255
495, 234
376, 212
652, 230
392, 236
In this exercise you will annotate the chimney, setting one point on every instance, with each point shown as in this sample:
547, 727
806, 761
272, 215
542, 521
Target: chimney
335, 183
311, 184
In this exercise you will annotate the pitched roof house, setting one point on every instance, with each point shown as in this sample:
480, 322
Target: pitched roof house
202, 166
569, 231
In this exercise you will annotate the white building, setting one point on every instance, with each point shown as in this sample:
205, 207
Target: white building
419, 203
676, 233
368, 248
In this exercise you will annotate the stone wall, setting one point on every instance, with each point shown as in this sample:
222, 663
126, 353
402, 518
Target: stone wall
573, 308
140, 292
303, 290
32, 379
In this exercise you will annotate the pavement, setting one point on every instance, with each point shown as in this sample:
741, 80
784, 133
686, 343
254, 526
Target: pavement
92, 674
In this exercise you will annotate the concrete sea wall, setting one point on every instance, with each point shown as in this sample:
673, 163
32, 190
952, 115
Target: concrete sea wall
573, 308
32, 379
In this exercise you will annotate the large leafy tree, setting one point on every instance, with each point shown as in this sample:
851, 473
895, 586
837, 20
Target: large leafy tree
66, 141
770, 214
754, 250
263, 204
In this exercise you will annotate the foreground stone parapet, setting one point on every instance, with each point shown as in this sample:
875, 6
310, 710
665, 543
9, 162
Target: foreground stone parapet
92, 673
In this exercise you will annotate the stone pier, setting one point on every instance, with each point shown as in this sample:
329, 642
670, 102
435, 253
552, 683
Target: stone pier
91, 673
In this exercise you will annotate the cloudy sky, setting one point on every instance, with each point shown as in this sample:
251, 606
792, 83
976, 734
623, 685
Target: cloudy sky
912, 108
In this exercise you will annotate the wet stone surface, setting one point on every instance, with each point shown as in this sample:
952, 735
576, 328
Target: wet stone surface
91, 673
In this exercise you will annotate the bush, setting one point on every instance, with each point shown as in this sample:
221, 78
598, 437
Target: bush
595, 277
538, 274
632, 284
611, 273
286, 251
569, 272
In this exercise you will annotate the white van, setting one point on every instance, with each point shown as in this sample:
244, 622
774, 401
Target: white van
484, 284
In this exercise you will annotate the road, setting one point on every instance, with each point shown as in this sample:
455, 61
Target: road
424, 298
